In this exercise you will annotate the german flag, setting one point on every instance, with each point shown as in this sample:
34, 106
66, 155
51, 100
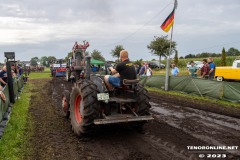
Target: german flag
169, 21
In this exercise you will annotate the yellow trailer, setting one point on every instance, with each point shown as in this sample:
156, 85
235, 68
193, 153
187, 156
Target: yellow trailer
231, 73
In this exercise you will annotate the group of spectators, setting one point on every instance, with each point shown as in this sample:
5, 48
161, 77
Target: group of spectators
206, 72
16, 72
144, 70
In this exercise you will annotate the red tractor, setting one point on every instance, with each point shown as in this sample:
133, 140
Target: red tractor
89, 103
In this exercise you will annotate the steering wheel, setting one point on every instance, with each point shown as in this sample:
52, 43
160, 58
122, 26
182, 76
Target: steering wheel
107, 67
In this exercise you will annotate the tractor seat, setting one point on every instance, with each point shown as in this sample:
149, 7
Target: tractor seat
130, 82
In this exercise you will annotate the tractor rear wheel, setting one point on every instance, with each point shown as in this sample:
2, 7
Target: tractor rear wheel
84, 106
142, 100
142, 105
65, 103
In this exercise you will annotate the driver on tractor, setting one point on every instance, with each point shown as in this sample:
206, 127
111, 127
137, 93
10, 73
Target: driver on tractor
124, 70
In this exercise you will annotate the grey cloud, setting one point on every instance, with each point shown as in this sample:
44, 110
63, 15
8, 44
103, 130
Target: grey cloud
105, 23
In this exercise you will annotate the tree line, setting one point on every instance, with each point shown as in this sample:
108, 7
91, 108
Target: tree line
230, 52
159, 46
45, 61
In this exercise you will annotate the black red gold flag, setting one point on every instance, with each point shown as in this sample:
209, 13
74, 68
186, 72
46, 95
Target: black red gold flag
169, 21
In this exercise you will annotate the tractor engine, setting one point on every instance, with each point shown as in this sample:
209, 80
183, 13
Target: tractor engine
76, 63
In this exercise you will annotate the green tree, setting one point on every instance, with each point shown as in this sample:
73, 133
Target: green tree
233, 52
223, 58
160, 46
176, 58
97, 55
116, 51
51, 59
44, 61
34, 61
190, 56
139, 62
68, 56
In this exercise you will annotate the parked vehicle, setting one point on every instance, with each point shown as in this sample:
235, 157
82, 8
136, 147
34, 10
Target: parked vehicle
199, 64
230, 73
153, 65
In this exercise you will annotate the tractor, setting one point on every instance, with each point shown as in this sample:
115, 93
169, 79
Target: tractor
89, 103
76, 64
58, 69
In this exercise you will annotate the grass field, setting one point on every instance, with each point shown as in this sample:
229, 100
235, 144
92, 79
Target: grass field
14, 142
182, 72
36, 75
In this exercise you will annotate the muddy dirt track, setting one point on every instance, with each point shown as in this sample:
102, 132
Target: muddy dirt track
174, 128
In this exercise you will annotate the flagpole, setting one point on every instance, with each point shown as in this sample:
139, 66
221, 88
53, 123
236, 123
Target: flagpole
168, 63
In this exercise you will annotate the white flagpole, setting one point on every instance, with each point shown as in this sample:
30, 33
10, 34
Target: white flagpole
168, 64
168, 56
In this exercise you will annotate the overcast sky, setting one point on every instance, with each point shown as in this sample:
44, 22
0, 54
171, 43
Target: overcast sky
50, 27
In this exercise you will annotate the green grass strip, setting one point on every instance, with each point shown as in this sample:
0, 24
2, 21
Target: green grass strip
39, 75
14, 142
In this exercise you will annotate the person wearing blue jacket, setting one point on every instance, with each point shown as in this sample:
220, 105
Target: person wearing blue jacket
212, 68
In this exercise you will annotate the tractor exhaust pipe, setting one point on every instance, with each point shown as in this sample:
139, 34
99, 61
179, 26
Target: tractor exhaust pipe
88, 67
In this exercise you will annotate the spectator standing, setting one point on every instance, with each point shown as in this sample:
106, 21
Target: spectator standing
142, 70
148, 71
193, 69
3, 76
2, 95
205, 69
20, 71
212, 67
136, 68
14, 75
139, 68
175, 70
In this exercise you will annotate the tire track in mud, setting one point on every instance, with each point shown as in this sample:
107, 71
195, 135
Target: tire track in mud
52, 137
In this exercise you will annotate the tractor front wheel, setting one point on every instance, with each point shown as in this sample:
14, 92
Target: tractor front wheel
84, 106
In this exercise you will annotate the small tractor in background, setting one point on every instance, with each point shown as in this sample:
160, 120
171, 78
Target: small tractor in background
58, 69
89, 103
